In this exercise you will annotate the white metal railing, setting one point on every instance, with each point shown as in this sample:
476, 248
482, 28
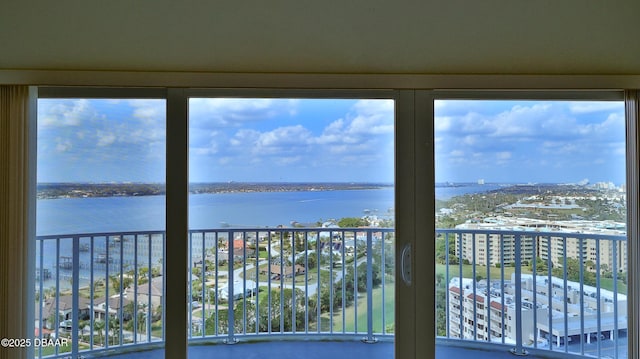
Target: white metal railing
289, 281
106, 291
546, 290
96, 291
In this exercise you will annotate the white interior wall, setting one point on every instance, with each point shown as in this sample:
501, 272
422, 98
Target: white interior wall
301, 36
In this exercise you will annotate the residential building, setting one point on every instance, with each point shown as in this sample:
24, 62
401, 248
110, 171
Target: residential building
148, 292
488, 313
63, 305
112, 307
500, 247
487, 310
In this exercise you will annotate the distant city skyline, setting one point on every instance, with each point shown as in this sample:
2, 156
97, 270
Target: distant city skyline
329, 140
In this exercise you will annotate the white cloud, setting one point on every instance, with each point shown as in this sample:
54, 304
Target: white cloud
574, 136
149, 110
352, 139
286, 161
584, 107
372, 117
374, 107
105, 138
204, 151
283, 140
245, 137
63, 145
225, 112
53, 113
364, 132
442, 123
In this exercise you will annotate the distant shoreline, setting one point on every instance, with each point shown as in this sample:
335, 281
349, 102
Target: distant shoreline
95, 190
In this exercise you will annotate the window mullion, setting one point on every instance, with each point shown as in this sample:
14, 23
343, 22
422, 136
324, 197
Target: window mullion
632, 107
175, 271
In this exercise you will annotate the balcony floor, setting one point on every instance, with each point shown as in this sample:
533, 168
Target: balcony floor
279, 350
331, 349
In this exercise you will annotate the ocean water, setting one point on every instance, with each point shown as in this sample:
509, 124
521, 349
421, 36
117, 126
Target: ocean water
207, 211
444, 192
60, 217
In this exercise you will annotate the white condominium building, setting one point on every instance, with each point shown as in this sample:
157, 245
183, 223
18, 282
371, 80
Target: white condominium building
499, 248
489, 314
551, 310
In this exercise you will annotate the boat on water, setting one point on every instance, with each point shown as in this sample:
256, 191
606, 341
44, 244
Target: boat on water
102, 258
65, 263
43, 274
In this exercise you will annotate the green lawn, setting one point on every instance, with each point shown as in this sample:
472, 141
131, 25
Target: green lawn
389, 311
467, 271
607, 283
51, 350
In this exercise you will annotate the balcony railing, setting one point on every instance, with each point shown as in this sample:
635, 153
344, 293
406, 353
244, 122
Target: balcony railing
531, 290
525, 291
241, 283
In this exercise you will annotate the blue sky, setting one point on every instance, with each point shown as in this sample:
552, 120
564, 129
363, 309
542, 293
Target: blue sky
530, 141
253, 140
83, 140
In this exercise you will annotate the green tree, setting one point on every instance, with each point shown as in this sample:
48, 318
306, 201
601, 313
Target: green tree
98, 326
81, 325
115, 283
114, 331
299, 243
541, 265
352, 222
311, 260
157, 313
143, 275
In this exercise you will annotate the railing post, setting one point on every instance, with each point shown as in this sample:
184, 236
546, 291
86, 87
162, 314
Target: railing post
518, 350
40, 303
75, 287
231, 296
614, 261
370, 338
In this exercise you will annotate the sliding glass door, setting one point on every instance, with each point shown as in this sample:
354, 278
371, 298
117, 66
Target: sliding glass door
291, 217
531, 216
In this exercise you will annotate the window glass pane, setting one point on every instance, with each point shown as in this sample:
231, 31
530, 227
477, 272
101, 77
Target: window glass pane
100, 221
531, 216
291, 200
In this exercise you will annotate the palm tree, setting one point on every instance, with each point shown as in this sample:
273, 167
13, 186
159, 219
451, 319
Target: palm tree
96, 284
49, 293
115, 283
81, 325
114, 329
98, 326
157, 313
141, 318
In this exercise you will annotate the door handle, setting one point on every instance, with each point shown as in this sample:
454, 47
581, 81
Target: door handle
405, 264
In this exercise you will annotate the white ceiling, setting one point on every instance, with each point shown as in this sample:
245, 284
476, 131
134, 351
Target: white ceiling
323, 36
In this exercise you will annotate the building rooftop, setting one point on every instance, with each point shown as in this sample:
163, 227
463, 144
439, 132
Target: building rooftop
540, 225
